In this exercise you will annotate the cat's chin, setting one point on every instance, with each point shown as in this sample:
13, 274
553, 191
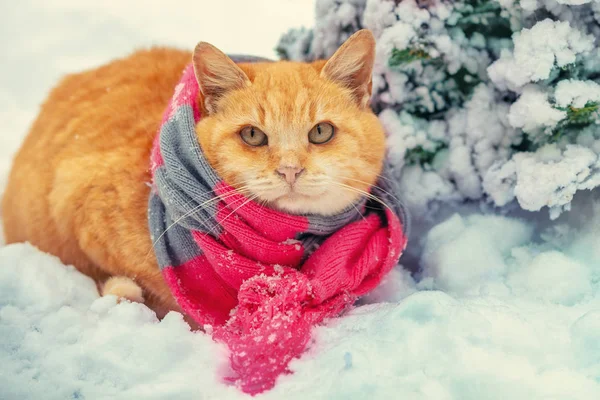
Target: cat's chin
294, 203
300, 204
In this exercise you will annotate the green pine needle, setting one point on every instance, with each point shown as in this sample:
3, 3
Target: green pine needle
401, 57
483, 16
575, 120
419, 155
583, 116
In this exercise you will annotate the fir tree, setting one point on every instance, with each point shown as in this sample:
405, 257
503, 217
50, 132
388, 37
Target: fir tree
480, 98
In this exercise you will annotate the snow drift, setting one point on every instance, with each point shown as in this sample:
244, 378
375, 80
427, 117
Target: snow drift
494, 317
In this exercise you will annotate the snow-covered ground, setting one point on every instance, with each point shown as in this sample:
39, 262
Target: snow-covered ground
502, 312
511, 321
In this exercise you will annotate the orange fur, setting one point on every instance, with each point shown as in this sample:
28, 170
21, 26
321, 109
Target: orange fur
123, 288
79, 186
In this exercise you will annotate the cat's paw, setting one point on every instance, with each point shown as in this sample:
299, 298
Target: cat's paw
124, 288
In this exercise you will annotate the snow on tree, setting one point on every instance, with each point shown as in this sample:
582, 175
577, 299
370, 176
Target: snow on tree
488, 102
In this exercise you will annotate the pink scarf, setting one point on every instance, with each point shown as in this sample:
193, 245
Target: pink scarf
257, 278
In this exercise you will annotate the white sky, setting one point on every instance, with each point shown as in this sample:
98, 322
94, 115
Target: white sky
41, 40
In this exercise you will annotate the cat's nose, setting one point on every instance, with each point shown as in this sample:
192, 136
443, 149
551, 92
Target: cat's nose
290, 174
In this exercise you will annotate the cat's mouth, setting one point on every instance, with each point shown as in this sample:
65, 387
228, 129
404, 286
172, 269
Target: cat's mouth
308, 198
302, 197
295, 199
294, 202
295, 195
303, 191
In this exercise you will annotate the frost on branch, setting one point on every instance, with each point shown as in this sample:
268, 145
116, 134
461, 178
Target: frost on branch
549, 177
533, 113
537, 51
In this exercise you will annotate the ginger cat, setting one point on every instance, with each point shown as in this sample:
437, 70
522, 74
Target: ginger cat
298, 136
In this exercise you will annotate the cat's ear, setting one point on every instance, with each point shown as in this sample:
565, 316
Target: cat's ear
352, 65
216, 74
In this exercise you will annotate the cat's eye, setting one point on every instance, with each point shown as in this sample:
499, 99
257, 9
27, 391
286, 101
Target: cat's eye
321, 133
253, 136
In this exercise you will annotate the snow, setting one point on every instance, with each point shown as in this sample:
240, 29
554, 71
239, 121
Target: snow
397, 36
574, 2
420, 187
537, 51
61, 341
564, 172
337, 21
502, 307
576, 93
533, 111
493, 317
450, 247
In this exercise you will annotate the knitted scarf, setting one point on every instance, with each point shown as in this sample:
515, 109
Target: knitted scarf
258, 279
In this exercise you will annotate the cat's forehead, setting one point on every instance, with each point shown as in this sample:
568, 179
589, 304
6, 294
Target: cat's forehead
284, 75
286, 109
286, 91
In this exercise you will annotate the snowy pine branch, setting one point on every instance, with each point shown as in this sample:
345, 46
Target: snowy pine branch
483, 100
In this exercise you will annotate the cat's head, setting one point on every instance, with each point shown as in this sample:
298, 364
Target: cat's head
298, 137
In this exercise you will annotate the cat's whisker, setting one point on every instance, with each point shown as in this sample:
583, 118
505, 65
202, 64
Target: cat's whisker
362, 192
192, 211
358, 211
242, 190
217, 196
215, 199
386, 178
375, 186
262, 203
180, 218
248, 200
